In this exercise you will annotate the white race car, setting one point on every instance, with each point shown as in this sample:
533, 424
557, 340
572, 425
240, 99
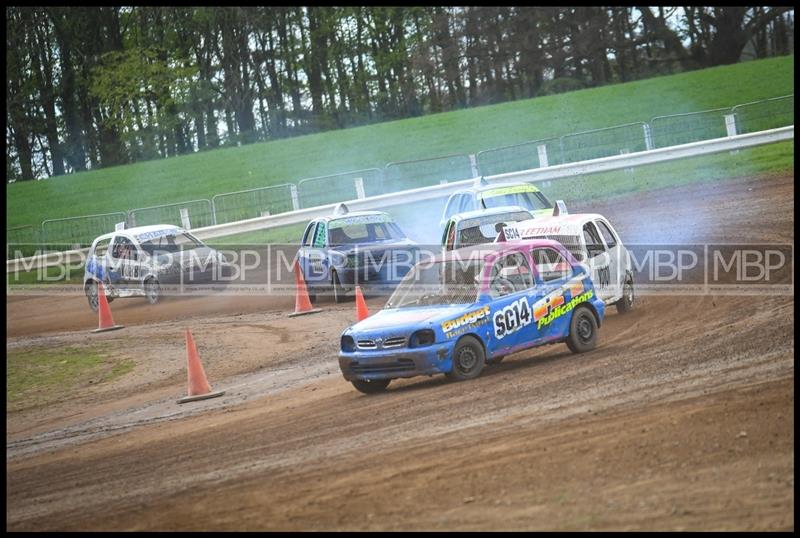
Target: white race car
481, 226
135, 262
593, 241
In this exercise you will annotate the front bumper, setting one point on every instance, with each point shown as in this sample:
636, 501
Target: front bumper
396, 363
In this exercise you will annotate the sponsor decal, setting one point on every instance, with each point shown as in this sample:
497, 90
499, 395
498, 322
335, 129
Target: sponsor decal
537, 231
146, 236
544, 306
510, 232
363, 219
576, 288
467, 321
507, 190
512, 318
559, 311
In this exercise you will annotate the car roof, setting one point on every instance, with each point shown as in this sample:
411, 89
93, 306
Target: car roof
492, 250
475, 189
571, 224
329, 218
139, 230
488, 212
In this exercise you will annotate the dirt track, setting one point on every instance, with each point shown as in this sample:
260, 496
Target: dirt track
682, 418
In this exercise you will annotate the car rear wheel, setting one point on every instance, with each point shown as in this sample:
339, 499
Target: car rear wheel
152, 290
625, 304
338, 291
468, 359
91, 295
582, 331
373, 386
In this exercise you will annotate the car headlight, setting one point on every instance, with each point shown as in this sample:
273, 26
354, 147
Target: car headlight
421, 338
348, 344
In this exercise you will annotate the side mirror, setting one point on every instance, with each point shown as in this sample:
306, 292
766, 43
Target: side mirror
560, 208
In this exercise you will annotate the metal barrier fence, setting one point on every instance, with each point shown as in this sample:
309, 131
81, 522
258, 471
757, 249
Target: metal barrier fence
252, 203
334, 188
80, 230
690, 127
192, 214
763, 115
404, 175
620, 139
661, 131
22, 234
526, 156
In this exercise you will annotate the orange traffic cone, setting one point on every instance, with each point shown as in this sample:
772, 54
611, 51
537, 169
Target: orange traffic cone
302, 303
361, 306
106, 322
199, 389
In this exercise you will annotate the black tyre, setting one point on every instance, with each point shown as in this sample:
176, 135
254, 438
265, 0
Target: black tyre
91, 295
371, 387
582, 331
625, 304
468, 359
152, 290
338, 291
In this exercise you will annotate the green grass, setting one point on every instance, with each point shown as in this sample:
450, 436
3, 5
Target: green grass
42, 376
205, 174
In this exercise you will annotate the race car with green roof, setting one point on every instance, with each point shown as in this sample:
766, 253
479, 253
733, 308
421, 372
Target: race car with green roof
480, 226
483, 195
137, 262
348, 249
454, 313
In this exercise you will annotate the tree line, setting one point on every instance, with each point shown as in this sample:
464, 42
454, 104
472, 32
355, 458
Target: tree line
91, 87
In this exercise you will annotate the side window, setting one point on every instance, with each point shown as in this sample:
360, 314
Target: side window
123, 248
594, 245
466, 203
608, 235
449, 235
510, 274
102, 247
320, 235
453, 206
550, 264
308, 234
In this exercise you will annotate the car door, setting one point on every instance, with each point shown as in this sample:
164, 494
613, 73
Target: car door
306, 249
598, 260
318, 262
122, 263
617, 261
555, 278
511, 291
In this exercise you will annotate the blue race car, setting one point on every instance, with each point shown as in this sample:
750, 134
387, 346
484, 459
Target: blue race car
364, 248
454, 313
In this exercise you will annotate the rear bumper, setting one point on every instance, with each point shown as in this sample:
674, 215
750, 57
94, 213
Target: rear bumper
397, 363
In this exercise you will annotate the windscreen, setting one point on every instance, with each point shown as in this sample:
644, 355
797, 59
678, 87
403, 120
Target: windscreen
484, 229
439, 283
521, 196
352, 232
171, 243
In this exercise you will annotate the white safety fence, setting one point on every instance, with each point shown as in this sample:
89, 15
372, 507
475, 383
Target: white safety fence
604, 164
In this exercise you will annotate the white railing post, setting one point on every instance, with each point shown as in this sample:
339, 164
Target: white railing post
473, 164
648, 136
295, 198
359, 184
185, 218
730, 128
542, 149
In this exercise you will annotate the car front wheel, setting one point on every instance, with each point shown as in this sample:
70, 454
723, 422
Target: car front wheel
468, 359
91, 295
373, 386
625, 304
152, 290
